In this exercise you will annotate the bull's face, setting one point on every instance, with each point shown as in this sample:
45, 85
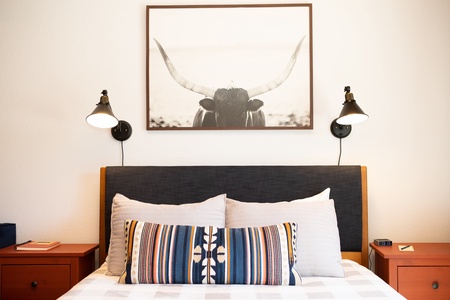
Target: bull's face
229, 107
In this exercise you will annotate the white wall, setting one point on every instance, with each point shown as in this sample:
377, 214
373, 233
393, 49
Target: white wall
56, 56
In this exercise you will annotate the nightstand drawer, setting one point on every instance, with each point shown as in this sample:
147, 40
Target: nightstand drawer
424, 282
34, 281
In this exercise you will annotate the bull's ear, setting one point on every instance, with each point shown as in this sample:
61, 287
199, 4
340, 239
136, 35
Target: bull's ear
208, 104
254, 105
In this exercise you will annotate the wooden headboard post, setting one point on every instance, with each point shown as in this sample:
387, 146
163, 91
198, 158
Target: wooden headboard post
102, 234
187, 184
362, 257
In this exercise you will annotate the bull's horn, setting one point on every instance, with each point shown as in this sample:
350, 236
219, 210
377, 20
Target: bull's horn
206, 91
280, 79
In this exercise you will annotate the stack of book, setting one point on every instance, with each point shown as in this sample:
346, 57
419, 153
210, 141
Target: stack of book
33, 245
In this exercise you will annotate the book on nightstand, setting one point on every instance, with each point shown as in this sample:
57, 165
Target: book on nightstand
36, 245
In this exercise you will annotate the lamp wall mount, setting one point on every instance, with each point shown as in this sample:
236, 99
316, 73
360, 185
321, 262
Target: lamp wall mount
122, 131
340, 131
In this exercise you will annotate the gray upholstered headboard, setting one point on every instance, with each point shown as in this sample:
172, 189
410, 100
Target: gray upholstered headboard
185, 184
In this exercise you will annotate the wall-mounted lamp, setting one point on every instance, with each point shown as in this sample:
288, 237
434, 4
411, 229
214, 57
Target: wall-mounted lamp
351, 114
103, 117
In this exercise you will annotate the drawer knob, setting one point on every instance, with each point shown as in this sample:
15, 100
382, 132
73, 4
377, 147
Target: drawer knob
34, 284
435, 285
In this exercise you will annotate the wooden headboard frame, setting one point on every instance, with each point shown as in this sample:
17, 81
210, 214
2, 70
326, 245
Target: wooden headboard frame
186, 184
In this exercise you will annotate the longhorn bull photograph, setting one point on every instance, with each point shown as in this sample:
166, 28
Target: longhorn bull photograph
231, 70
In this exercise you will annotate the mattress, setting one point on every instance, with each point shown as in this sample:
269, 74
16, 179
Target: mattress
358, 283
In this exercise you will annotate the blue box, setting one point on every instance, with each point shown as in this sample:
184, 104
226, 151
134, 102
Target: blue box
7, 234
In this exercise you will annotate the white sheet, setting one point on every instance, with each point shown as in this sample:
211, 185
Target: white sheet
359, 283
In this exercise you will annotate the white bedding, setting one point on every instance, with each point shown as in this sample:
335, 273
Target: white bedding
359, 283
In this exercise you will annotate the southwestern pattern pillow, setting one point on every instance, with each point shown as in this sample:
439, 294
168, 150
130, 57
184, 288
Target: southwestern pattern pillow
210, 255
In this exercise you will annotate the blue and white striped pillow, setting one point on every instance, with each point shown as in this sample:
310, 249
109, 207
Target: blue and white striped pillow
209, 255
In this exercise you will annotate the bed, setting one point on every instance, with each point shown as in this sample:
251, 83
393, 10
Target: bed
311, 221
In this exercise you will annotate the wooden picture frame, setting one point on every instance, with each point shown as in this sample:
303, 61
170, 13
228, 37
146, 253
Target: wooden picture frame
203, 60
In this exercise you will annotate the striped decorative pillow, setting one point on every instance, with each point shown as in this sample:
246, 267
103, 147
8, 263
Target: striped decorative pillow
210, 255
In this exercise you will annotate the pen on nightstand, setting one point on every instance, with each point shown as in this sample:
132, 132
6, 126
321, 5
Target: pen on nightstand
403, 248
21, 244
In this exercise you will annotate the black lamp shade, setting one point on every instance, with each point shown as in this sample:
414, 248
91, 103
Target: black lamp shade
351, 114
102, 116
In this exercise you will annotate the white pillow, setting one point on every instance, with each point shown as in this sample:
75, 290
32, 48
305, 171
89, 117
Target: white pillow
210, 212
318, 242
323, 195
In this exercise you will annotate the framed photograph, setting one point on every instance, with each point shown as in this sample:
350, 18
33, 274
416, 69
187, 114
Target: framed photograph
237, 66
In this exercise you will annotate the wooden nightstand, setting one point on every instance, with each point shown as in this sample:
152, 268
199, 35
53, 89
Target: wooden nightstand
420, 274
44, 274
